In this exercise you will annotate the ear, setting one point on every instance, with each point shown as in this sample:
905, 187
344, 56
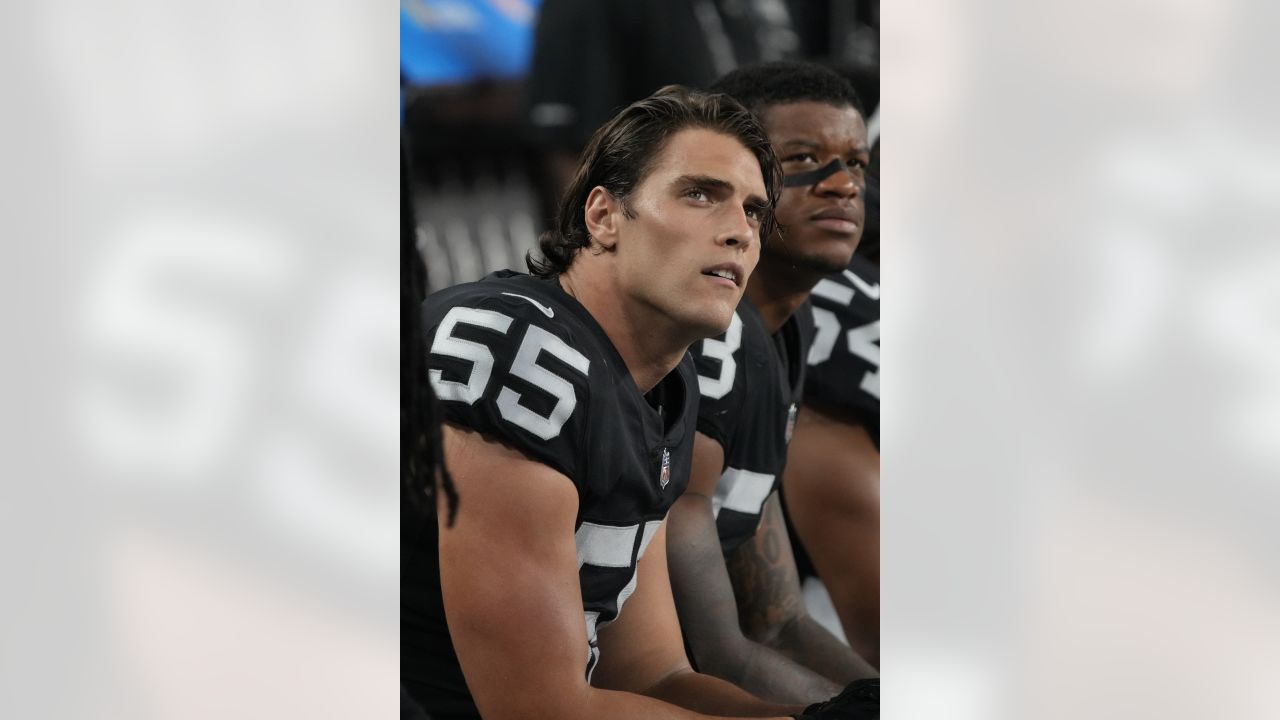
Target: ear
603, 214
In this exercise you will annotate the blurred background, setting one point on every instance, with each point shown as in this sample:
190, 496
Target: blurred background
499, 96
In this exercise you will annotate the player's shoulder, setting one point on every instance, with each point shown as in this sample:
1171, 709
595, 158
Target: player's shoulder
844, 357
861, 267
531, 300
859, 281
511, 357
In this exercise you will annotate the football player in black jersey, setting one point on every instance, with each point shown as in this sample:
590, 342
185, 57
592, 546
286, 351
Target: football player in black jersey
732, 570
832, 481
570, 407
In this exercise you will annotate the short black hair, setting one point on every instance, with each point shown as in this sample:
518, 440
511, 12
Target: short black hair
623, 150
786, 81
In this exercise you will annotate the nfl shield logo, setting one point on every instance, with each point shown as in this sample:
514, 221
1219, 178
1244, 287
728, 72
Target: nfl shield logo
665, 477
791, 422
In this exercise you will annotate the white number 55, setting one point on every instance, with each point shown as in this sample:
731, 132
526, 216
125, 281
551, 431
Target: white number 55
525, 366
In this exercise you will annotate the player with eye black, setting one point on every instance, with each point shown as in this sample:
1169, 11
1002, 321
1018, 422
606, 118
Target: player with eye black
570, 405
832, 481
735, 580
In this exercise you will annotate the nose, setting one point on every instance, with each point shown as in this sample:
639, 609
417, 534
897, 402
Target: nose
739, 233
846, 183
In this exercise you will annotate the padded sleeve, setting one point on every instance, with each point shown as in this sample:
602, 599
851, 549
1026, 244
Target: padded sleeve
844, 358
721, 365
505, 371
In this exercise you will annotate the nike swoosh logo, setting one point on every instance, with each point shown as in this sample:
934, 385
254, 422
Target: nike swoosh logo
545, 310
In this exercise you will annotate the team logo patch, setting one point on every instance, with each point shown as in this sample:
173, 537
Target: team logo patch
665, 476
791, 422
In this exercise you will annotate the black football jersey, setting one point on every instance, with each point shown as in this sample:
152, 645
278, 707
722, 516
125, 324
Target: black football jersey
844, 360
518, 359
750, 384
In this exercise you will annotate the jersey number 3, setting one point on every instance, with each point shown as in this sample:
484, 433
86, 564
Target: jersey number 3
525, 366
722, 350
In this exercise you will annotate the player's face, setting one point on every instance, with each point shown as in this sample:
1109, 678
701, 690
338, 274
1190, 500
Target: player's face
696, 217
822, 221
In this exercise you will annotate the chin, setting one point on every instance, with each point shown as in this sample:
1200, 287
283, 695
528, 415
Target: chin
823, 254
835, 255
822, 263
709, 321
723, 320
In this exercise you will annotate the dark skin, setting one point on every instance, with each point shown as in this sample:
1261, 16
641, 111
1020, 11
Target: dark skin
833, 494
833, 468
743, 616
811, 243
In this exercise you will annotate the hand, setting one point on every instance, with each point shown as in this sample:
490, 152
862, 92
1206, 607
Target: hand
859, 701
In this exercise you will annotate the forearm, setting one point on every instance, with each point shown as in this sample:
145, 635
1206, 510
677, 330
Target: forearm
720, 648
833, 494
852, 582
808, 643
709, 615
771, 606
704, 693
772, 675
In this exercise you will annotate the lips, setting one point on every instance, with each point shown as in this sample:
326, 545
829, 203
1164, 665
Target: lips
841, 220
727, 272
837, 213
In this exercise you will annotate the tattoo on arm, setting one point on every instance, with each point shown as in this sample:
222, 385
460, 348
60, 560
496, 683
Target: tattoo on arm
765, 582
708, 614
771, 609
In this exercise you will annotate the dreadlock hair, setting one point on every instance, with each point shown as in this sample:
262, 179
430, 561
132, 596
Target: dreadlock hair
786, 81
621, 153
421, 445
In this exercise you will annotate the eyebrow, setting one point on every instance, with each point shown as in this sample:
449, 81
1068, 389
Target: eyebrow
802, 143
721, 185
859, 150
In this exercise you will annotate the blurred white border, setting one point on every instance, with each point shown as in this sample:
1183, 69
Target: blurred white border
211, 193
1082, 337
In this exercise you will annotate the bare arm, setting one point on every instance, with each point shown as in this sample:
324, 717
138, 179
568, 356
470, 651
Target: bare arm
509, 574
705, 598
833, 495
771, 607
642, 650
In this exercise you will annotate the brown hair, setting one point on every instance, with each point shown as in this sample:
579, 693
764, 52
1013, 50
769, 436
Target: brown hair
623, 150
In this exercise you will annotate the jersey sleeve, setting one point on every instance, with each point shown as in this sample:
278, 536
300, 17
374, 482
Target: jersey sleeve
721, 384
504, 370
844, 356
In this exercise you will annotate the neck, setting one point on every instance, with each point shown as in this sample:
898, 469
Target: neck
650, 344
777, 289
